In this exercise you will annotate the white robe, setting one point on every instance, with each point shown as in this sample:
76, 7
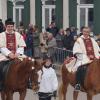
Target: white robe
80, 50
20, 44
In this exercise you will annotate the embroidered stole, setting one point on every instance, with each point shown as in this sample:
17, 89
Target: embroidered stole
89, 48
11, 42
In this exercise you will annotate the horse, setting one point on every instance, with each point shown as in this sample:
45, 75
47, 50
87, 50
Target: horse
91, 81
18, 76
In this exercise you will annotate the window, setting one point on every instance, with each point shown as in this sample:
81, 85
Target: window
86, 1
19, 7
48, 13
50, 2
85, 13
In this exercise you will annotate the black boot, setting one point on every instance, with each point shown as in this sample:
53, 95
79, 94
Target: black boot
1, 86
77, 87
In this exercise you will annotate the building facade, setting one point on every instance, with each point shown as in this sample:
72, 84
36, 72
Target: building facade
65, 13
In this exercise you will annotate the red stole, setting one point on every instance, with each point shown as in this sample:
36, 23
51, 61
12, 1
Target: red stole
89, 48
11, 42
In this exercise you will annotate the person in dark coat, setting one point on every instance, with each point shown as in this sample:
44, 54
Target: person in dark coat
68, 40
52, 28
1, 26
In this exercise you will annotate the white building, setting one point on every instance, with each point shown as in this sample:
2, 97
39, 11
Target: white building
65, 13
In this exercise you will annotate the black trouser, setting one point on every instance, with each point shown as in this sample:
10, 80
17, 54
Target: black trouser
44, 96
80, 74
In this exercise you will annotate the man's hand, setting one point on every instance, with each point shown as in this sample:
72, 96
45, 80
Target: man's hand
11, 55
16, 55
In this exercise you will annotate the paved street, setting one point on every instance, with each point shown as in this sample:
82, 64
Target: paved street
33, 96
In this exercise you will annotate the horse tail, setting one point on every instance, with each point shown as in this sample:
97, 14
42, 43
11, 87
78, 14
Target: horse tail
64, 84
60, 92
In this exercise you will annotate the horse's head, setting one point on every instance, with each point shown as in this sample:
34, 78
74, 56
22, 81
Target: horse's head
36, 65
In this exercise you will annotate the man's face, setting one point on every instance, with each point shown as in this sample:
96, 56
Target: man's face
86, 32
10, 28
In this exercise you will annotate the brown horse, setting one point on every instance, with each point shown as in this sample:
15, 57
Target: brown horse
91, 81
18, 76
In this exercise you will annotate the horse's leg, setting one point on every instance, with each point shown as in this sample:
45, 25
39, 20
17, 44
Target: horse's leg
3, 95
75, 95
62, 91
89, 96
63, 88
9, 95
22, 95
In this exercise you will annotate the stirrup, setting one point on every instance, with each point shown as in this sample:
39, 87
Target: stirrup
77, 87
29, 84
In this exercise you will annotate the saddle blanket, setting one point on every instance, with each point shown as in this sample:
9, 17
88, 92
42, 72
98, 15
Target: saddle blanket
70, 64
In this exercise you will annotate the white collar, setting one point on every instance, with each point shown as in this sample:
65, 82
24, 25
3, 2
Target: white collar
10, 33
84, 37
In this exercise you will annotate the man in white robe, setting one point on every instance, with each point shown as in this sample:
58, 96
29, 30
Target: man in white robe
85, 48
11, 42
11, 46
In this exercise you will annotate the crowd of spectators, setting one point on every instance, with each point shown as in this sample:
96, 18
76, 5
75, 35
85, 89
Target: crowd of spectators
38, 44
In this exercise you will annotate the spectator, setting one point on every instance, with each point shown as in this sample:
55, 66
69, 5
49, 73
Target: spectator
51, 43
29, 42
1, 26
43, 43
73, 31
59, 38
52, 29
36, 42
59, 50
68, 40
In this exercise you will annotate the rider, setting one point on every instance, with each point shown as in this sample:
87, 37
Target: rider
11, 44
48, 81
86, 50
